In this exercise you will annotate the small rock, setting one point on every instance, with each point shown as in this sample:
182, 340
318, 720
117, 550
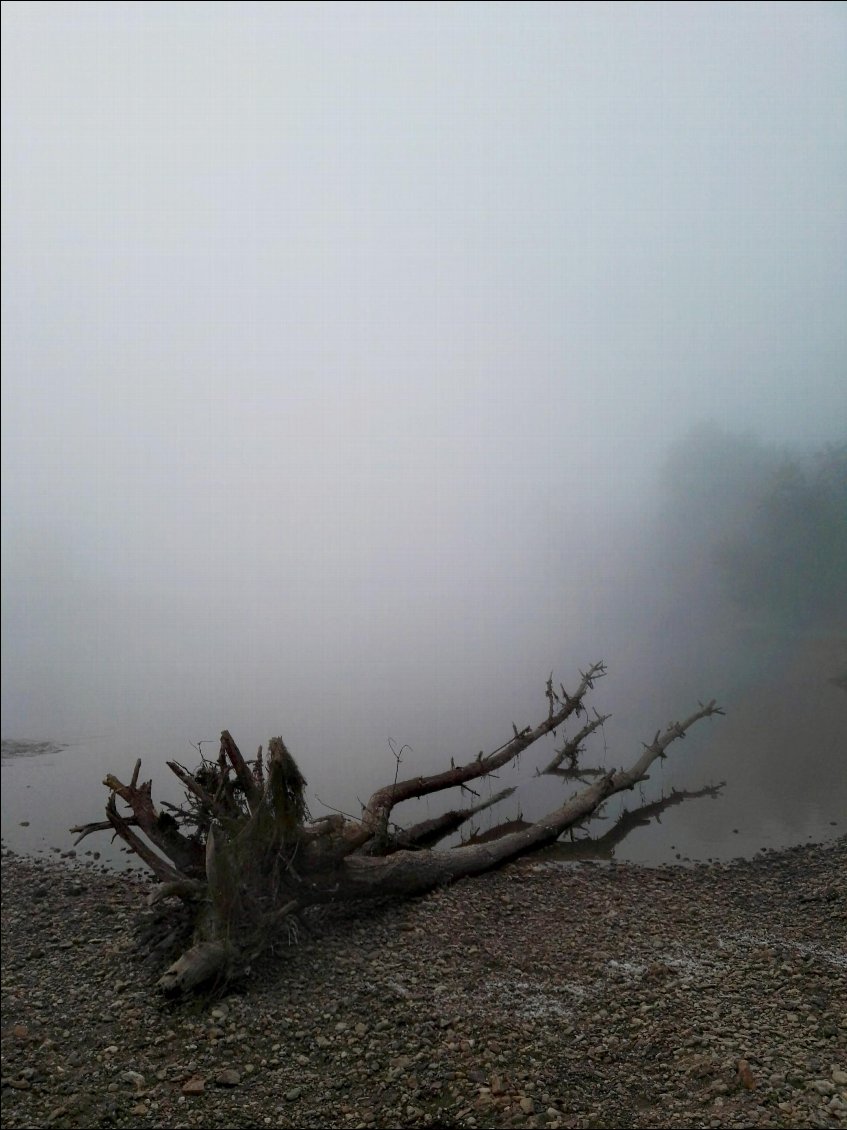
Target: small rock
745, 1075
839, 1077
196, 1085
229, 1077
527, 1105
293, 1095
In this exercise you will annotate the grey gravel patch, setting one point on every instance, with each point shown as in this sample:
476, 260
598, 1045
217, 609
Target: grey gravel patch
531, 997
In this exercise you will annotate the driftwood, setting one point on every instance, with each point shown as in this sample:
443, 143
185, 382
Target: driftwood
246, 858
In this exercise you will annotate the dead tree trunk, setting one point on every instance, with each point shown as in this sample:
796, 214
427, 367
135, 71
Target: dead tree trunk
246, 857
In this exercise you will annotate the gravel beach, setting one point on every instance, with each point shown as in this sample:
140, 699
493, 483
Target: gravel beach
579, 995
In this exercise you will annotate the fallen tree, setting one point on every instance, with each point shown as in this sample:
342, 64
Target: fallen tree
245, 857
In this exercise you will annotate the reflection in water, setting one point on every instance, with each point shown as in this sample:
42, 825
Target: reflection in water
779, 749
589, 846
603, 847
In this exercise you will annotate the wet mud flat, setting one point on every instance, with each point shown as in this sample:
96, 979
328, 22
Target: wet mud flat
542, 995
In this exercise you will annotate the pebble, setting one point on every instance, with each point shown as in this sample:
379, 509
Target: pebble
365, 1023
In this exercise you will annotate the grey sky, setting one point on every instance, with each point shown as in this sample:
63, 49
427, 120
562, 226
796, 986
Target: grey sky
331, 331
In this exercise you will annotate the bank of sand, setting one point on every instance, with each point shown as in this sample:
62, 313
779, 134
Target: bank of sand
541, 995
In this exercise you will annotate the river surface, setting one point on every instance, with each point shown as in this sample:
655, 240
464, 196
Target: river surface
780, 749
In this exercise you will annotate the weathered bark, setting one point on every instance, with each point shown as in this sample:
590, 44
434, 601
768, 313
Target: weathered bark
254, 859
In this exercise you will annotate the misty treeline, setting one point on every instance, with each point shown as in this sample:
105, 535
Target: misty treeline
770, 524
241, 862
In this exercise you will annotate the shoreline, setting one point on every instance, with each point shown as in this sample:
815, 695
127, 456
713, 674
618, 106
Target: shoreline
540, 995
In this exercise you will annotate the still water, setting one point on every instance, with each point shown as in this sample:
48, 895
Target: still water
780, 749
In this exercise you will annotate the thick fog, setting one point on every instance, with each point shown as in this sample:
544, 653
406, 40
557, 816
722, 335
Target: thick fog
351, 355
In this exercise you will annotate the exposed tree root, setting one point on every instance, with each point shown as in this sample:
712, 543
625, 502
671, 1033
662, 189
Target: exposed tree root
244, 855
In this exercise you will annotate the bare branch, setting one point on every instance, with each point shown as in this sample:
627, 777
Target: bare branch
196, 789
445, 866
428, 833
97, 826
163, 871
374, 821
580, 773
625, 779
161, 829
572, 749
242, 772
